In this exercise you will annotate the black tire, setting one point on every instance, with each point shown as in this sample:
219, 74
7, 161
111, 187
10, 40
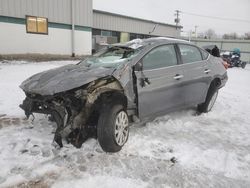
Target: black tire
107, 126
243, 64
212, 92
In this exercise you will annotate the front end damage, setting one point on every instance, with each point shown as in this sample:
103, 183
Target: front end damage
74, 111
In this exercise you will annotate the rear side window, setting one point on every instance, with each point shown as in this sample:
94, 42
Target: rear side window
204, 54
163, 56
190, 53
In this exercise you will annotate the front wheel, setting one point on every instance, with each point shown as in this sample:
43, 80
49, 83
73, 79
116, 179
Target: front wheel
210, 99
113, 128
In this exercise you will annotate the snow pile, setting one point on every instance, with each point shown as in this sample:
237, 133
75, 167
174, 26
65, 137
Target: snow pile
12, 74
100, 181
180, 149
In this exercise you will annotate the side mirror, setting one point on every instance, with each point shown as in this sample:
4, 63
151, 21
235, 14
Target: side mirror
138, 66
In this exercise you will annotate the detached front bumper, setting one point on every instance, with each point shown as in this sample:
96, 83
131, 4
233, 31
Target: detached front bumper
45, 105
64, 111
31, 106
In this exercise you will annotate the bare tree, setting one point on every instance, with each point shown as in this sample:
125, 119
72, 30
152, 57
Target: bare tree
231, 36
210, 34
247, 35
226, 36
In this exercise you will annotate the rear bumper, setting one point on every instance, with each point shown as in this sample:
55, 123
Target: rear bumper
224, 80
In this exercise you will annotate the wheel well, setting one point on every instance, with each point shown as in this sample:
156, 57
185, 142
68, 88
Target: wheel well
216, 82
113, 96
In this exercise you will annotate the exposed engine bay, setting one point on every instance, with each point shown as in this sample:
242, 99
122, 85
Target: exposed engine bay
75, 111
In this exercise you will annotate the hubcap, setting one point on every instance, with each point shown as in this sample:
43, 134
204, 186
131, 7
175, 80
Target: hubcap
212, 101
121, 128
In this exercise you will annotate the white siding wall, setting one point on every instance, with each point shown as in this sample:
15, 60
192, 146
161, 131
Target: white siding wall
15, 40
58, 11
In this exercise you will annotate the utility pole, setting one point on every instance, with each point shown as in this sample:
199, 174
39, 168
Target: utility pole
177, 19
190, 36
195, 30
73, 27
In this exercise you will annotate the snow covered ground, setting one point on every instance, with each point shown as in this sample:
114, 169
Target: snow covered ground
177, 150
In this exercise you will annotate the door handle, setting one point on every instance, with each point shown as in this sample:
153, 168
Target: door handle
144, 82
207, 71
178, 76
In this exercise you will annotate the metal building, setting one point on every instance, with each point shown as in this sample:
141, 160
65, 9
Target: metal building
66, 27
115, 22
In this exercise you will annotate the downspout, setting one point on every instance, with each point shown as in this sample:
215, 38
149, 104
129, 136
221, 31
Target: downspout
73, 27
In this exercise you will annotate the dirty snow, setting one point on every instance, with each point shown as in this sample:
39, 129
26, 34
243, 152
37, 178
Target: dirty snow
176, 150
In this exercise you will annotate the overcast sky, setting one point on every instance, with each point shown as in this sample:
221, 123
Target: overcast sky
163, 11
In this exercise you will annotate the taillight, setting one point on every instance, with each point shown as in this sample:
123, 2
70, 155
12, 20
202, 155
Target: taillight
226, 65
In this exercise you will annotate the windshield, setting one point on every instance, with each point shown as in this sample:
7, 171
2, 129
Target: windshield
111, 57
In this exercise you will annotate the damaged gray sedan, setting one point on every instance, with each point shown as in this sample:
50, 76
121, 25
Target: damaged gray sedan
121, 85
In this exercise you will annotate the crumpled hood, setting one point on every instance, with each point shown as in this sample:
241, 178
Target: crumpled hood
63, 79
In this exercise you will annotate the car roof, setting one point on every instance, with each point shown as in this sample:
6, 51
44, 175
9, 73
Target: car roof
137, 43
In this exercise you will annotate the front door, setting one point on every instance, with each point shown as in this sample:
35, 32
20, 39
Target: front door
159, 84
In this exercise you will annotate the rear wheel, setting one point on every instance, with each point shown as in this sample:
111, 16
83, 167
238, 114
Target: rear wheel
113, 128
210, 99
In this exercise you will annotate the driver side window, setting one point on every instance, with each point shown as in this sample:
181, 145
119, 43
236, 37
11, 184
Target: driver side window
160, 57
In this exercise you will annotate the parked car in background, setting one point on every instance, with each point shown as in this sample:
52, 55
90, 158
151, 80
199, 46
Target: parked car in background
123, 84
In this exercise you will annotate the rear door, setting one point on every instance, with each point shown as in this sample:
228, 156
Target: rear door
159, 84
196, 74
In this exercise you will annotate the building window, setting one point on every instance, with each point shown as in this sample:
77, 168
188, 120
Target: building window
37, 25
106, 33
96, 32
